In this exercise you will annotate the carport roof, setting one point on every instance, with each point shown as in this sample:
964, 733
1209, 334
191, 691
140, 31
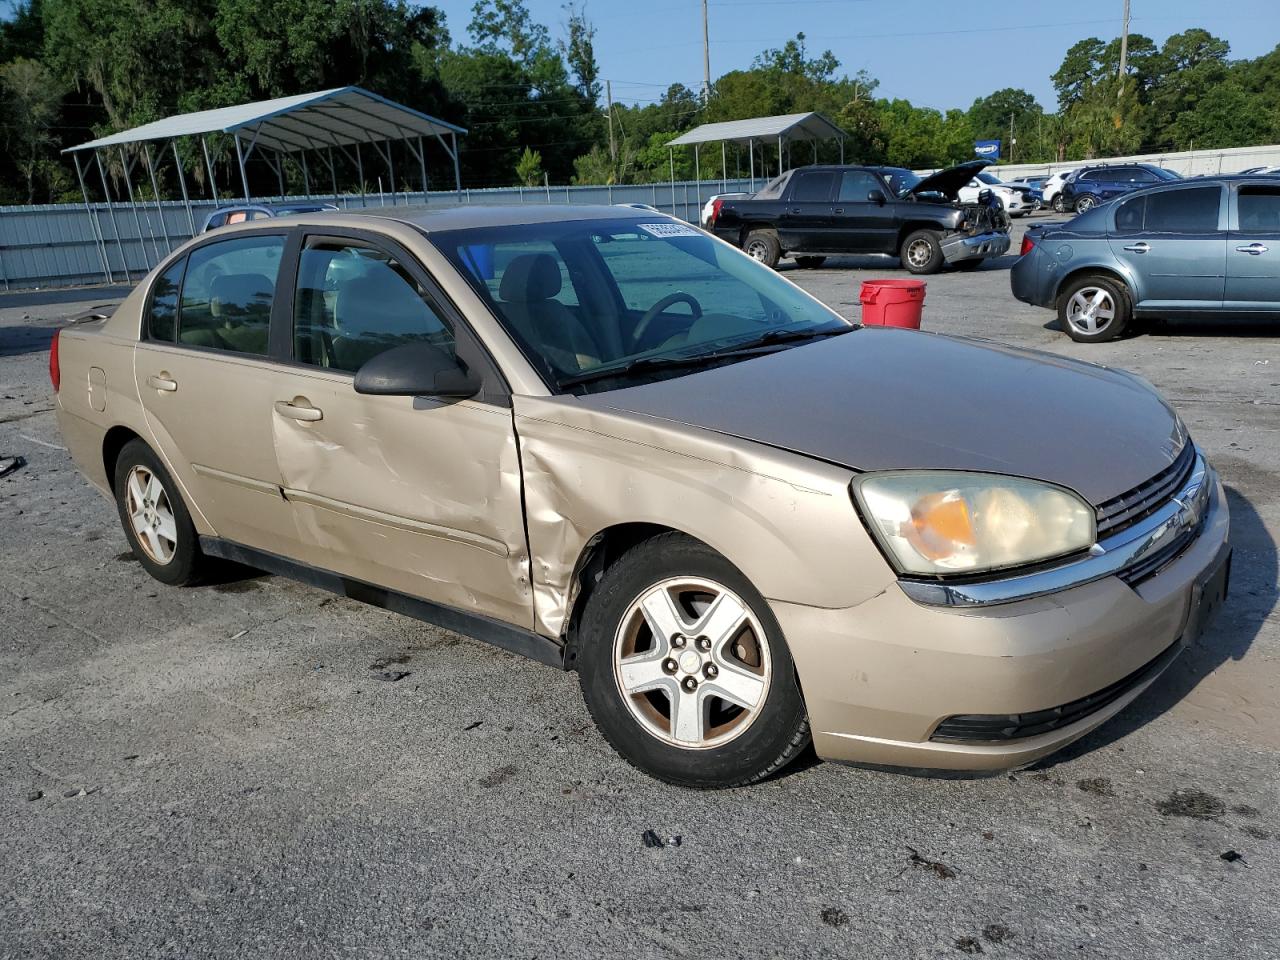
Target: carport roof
793, 126
307, 121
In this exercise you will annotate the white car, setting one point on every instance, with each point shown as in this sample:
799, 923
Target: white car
709, 208
1014, 200
1052, 190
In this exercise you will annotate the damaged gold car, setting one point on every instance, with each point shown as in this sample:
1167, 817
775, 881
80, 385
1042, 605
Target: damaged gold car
611, 442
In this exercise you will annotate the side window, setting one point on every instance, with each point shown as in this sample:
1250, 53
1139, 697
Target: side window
162, 318
227, 294
1129, 215
1138, 175
1259, 209
354, 302
813, 186
856, 184
1193, 210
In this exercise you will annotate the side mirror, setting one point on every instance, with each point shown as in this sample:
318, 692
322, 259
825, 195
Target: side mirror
416, 370
875, 196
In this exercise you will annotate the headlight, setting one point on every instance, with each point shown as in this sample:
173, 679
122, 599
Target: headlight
933, 522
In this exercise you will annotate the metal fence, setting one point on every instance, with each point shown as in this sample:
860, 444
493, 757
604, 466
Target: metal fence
65, 244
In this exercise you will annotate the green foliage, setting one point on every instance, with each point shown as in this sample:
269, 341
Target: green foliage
529, 167
31, 101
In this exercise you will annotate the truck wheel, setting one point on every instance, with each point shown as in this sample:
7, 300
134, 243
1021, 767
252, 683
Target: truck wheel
1093, 309
762, 246
685, 670
810, 263
922, 252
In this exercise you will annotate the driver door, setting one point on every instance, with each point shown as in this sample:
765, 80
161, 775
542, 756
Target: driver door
419, 495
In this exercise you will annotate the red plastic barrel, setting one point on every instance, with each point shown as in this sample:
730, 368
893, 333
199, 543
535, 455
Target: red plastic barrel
892, 303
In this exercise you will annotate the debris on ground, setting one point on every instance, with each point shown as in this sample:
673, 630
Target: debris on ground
834, 917
383, 662
472, 726
74, 792
1195, 804
996, 933
393, 676
943, 871
1098, 786
9, 464
652, 840
1232, 856
1245, 810
968, 945
35, 795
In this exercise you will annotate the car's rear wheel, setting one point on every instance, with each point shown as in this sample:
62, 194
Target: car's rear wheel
1059, 204
685, 670
155, 520
1093, 309
1086, 203
762, 246
922, 252
810, 263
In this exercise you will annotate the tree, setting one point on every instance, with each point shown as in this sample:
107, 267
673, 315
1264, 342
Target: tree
32, 98
529, 167
578, 49
990, 115
506, 26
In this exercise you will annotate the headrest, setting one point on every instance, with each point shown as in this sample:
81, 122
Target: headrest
530, 278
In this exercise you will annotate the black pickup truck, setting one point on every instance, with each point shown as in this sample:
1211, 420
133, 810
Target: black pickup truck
810, 212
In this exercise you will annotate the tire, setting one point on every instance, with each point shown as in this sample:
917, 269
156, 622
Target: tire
1082, 324
762, 246
155, 519
1059, 204
921, 252
1086, 203
810, 263
723, 743
968, 265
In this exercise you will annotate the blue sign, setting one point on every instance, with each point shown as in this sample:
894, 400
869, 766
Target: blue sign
987, 149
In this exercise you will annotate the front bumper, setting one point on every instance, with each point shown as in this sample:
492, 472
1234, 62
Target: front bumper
961, 247
881, 678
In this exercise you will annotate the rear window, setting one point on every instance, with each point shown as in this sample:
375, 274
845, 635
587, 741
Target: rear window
1194, 210
1260, 209
773, 190
813, 186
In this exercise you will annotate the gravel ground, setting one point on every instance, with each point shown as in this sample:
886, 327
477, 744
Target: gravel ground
224, 772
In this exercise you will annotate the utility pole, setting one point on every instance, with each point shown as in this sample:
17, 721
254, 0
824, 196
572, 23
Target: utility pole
613, 149
1012, 142
1124, 48
707, 58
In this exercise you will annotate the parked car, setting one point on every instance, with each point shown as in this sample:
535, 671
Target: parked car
247, 212
745, 522
1014, 200
1090, 186
711, 208
1192, 248
811, 212
1255, 171
1052, 190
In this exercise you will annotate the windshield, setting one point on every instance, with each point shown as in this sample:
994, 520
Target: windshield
589, 296
988, 178
1164, 174
900, 180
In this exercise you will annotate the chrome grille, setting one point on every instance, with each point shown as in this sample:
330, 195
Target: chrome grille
1146, 498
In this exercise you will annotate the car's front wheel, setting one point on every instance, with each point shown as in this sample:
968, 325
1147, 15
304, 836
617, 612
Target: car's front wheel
1093, 309
922, 252
685, 670
154, 517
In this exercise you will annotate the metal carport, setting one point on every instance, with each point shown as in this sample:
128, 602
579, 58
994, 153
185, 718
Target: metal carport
343, 118
784, 128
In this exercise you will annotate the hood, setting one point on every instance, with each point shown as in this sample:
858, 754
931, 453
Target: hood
948, 182
884, 399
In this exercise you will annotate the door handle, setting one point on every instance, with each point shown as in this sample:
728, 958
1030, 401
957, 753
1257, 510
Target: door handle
1140, 247
794, 210
1253, 249
162, 382
838, 210
298, 411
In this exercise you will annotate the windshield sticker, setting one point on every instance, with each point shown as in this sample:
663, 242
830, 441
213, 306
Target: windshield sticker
665, 230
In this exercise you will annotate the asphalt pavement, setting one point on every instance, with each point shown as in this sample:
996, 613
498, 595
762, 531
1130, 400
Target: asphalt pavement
258, 769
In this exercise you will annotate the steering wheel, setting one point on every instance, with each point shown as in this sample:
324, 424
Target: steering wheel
669, 300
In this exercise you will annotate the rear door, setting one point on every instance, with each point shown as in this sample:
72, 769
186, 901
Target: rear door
860, 224
1253, 250
417, 494
806, 222
204, 379
1178, 254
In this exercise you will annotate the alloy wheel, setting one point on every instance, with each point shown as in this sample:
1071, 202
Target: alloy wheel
151, 515
1091, 309
692, 663
919, 253
758, 250
1085, 204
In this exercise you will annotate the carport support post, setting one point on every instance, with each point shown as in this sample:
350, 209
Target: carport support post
93, 220
457, 170
133, 205
306, 174
360, 174
155, 189
208, 165
244, 177
724, 168
111, 212
422, 165
842, 151
182, 182
333, 177
671, 156
751, 151
697, 179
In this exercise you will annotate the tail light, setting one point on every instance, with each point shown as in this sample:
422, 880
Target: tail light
1028, 244
55, 371
715, 212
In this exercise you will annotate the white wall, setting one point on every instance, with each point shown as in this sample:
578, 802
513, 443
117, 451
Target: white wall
1185, 162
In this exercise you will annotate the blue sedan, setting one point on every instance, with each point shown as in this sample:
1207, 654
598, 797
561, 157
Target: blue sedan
1200, 248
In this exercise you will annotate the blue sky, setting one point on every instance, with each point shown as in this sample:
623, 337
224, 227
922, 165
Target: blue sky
937, 53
